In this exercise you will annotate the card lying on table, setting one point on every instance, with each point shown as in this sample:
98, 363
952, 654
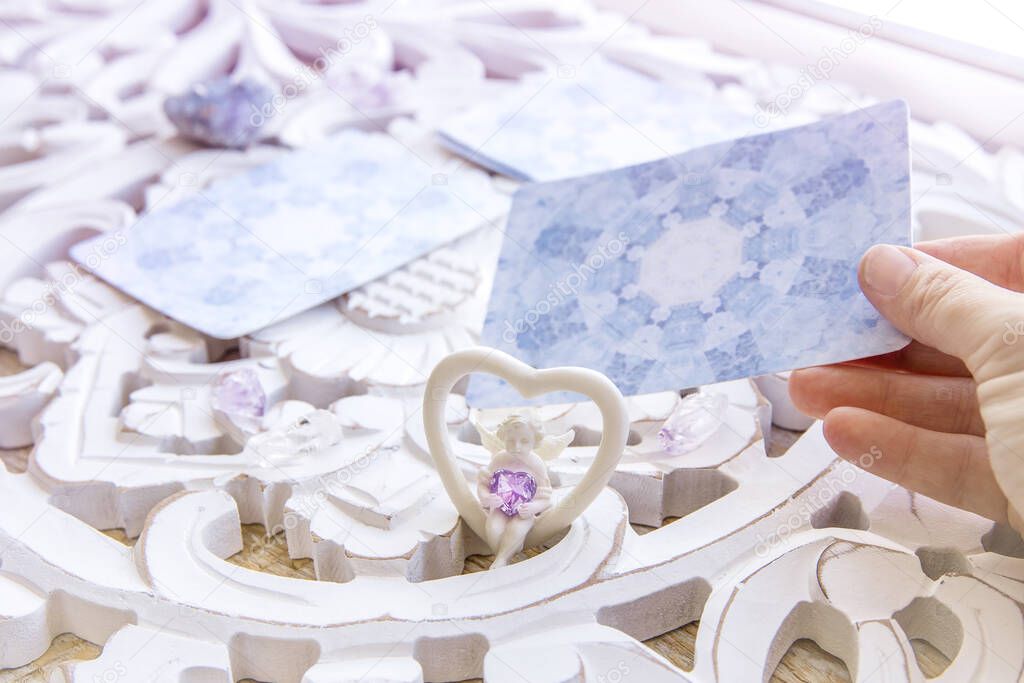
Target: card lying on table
258, 247
600, 117
728, 261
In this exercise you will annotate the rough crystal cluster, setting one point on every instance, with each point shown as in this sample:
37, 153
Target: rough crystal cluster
223, 112
238, 397
696, 418
306, 436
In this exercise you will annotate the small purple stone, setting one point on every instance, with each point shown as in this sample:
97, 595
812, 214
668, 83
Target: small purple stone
514, 489
223, 112
239, 394
696, 418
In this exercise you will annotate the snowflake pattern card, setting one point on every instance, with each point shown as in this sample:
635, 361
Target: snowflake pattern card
599, 117
732, 260
259, 247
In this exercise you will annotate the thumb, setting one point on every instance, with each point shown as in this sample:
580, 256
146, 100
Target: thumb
940, 305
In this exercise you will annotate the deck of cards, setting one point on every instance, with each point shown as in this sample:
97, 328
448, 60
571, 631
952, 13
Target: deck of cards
666, 247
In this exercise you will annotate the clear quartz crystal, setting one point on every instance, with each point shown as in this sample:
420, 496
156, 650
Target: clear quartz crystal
309, 434
696, 418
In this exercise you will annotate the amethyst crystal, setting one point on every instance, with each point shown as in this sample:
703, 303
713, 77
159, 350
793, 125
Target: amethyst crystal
514, 489
239, 396
693, 421
222, 112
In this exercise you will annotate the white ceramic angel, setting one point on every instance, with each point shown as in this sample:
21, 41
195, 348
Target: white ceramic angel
515, 487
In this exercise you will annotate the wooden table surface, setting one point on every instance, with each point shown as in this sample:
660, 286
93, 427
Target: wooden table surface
804, 662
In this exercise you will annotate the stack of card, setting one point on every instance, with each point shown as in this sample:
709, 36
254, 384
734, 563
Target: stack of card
590, 118
729, 260
256, 248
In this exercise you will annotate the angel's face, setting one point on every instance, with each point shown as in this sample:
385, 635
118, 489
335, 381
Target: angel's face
518, 440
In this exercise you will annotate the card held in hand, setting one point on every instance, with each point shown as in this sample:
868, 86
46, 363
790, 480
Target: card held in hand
727, 261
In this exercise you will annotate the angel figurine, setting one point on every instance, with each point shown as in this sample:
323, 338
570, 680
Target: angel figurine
515, 487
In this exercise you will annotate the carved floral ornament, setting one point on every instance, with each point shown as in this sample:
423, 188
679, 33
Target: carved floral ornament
120, 405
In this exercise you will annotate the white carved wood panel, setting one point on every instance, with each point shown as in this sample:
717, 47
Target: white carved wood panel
117, 401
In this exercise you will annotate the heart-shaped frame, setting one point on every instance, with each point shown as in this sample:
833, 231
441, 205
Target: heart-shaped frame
529, 382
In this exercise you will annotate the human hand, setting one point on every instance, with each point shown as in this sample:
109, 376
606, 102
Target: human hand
945, 413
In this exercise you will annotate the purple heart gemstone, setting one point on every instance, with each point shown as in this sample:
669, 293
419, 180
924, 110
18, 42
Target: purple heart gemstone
514, 489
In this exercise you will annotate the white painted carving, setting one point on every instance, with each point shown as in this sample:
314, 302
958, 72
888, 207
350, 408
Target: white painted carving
761, 550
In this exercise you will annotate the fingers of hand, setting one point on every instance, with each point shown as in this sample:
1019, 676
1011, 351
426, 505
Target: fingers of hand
997, 258
951, 468
1000, 399
939, 305
916, 357
944, 404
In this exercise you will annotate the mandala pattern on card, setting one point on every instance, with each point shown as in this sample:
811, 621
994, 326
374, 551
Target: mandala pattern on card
729, 261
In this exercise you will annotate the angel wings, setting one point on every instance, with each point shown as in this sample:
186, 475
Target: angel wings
548, 447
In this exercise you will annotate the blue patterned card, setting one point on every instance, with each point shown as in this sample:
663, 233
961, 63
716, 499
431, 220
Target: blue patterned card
258, 247
728, 261
599, 117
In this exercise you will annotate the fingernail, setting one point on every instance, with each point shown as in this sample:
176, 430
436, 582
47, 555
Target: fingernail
887, 269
